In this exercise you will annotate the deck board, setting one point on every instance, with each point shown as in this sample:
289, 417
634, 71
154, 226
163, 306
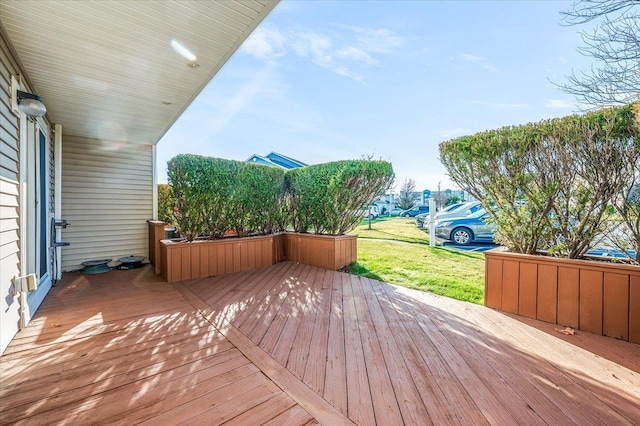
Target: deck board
293, 344
260, 298
335, 379
552, 407
278, 337
579, 400
425, 381
315, 366
264, 411
385, 404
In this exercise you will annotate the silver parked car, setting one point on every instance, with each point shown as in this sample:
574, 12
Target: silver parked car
466, 230
456, 210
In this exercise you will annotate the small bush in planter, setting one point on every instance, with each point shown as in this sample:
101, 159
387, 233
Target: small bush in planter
212, 196
165, 203
552, 186
328, 198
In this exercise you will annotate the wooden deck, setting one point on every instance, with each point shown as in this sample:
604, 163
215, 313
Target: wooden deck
293, 344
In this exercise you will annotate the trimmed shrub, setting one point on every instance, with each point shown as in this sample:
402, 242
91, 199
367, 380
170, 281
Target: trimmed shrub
213, 196
550, 186
328, 198
256, 203
165, 203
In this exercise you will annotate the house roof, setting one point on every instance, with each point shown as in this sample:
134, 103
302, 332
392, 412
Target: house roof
259, 159
276, 160
284, 161
107, 70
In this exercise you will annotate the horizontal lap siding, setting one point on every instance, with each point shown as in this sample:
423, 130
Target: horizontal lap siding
9, 202
107, 198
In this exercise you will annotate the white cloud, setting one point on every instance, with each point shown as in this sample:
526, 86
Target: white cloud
320, 50
471, 58
265, 44
483, 62
559, 104
490, 67
377, 40
346, 52
355, 54
562, 60
312, 45
344, 71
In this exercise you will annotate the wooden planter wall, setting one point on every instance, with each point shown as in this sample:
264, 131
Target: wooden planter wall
156, 234
598, 297
322, 251
201, 259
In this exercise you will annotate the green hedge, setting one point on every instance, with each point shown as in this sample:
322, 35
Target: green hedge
211, 196
165, 203
329, 198
554, 185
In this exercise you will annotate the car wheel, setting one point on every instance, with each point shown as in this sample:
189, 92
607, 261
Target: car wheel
462, 236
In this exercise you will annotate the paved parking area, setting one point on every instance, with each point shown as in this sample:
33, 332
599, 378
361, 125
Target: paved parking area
479, 247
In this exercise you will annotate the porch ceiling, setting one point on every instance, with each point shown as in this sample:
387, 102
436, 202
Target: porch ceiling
106, 70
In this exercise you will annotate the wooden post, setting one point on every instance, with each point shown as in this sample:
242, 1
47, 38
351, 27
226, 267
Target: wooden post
156, 233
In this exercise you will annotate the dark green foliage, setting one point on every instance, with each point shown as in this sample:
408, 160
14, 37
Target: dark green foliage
211, 196
328, 198
454, 199
256, 200
550, 185
165, 203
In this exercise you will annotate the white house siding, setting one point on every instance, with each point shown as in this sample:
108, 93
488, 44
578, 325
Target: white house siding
107, 198
9, 203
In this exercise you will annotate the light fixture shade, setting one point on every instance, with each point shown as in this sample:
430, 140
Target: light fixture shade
32, 107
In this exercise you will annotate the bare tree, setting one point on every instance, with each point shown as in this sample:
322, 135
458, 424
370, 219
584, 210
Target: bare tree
614, 44
440, 197
625, 233
405, 199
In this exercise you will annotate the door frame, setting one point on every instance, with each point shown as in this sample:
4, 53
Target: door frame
35, 182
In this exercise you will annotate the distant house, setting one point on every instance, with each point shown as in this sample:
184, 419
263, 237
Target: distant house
274, 159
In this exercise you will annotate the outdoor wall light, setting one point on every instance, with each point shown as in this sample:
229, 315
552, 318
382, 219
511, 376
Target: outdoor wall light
31, 104
185, 53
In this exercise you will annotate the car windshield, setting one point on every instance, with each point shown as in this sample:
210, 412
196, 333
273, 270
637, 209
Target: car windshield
480, 213
468, 205
453, 207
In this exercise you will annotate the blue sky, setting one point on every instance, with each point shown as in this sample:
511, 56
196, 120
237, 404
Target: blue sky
323, 81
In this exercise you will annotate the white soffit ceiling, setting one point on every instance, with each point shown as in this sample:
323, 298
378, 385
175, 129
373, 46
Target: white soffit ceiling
106, 69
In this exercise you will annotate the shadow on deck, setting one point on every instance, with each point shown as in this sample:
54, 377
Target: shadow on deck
293, 344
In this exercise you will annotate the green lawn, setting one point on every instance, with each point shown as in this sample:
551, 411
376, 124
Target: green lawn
410, 262
394, 228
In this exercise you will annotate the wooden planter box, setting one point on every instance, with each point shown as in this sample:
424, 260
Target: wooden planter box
156, 234
598, 297
322, 251
200, 259
181, 260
